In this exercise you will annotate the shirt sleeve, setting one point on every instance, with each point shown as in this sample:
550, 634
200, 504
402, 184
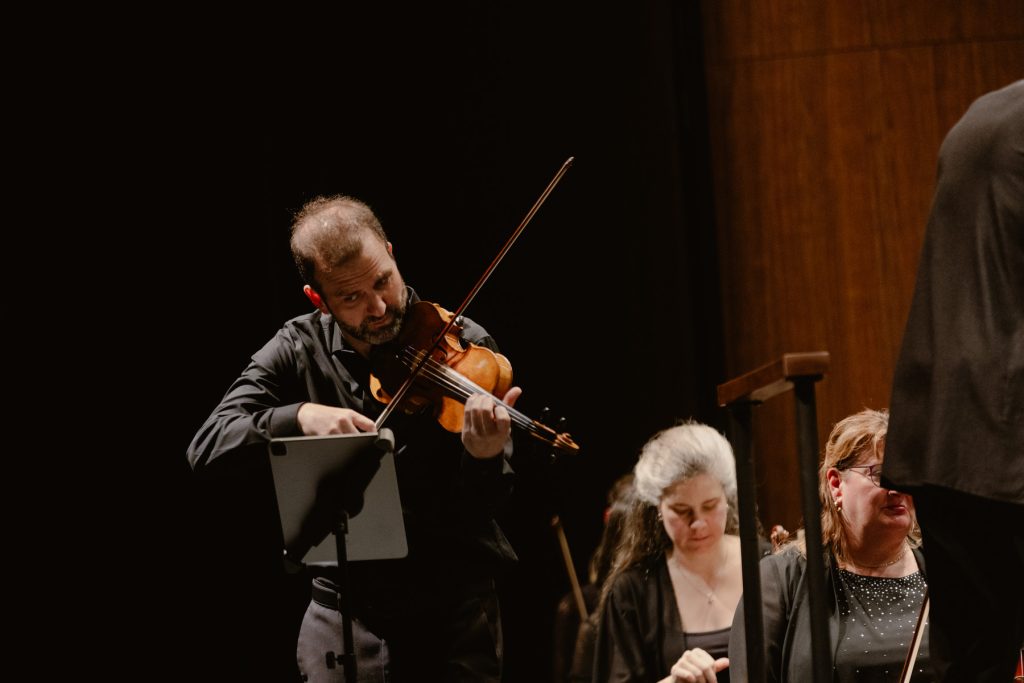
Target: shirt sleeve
487, 484
254, 409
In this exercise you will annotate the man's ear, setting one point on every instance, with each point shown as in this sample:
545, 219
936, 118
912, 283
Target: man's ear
313, 297
390, 252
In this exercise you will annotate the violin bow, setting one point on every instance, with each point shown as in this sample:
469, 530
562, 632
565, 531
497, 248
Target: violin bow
915, 644
570, 568
397, 397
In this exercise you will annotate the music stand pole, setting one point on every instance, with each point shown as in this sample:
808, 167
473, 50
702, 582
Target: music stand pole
385, 443
330, 484
348, 657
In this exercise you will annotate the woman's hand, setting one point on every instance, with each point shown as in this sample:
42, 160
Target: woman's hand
697, 666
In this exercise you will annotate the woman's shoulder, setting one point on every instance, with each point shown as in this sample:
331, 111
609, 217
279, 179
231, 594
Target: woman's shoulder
638, 589
638, 576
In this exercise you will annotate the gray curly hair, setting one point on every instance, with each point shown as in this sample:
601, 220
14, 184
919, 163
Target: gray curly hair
670, 456
682, 452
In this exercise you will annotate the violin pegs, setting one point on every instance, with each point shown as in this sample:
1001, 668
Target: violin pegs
544, 416
560, 425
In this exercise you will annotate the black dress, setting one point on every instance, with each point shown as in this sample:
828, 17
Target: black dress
640, 635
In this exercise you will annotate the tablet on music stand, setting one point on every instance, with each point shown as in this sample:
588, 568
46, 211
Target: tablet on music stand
315, 476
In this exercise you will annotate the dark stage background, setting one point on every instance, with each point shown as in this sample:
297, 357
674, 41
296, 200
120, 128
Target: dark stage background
449, 121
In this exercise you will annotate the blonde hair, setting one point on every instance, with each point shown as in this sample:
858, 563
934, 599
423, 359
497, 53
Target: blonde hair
852, 440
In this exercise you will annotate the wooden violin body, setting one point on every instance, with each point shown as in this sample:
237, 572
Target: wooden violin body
452, 371
439, 388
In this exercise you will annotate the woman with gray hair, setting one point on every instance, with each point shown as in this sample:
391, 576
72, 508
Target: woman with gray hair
668, 604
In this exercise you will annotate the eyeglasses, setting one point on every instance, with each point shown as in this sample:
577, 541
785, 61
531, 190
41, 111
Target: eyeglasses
874, 472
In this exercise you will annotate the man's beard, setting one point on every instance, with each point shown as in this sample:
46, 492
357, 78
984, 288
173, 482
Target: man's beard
378, 335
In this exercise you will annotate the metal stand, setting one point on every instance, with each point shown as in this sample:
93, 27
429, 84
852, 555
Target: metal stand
797, 371
322, 483
348, 655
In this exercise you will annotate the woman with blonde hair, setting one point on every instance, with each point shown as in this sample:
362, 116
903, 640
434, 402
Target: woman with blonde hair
874, 582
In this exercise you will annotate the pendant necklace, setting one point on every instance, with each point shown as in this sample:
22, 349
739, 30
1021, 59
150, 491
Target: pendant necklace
709, 594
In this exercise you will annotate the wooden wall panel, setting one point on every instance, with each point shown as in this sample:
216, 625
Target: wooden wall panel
825, 124
747, 30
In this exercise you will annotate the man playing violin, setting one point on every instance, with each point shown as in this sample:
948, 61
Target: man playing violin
434, 614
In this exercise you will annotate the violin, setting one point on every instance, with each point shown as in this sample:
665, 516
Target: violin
453, 370
429, 365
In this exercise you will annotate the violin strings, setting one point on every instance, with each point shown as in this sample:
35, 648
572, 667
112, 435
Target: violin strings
446, 377
443, 376
460, 385
463, 387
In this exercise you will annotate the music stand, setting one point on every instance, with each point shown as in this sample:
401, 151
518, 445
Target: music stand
343, 484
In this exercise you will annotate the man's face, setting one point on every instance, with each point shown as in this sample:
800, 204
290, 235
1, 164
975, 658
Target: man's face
366, 295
